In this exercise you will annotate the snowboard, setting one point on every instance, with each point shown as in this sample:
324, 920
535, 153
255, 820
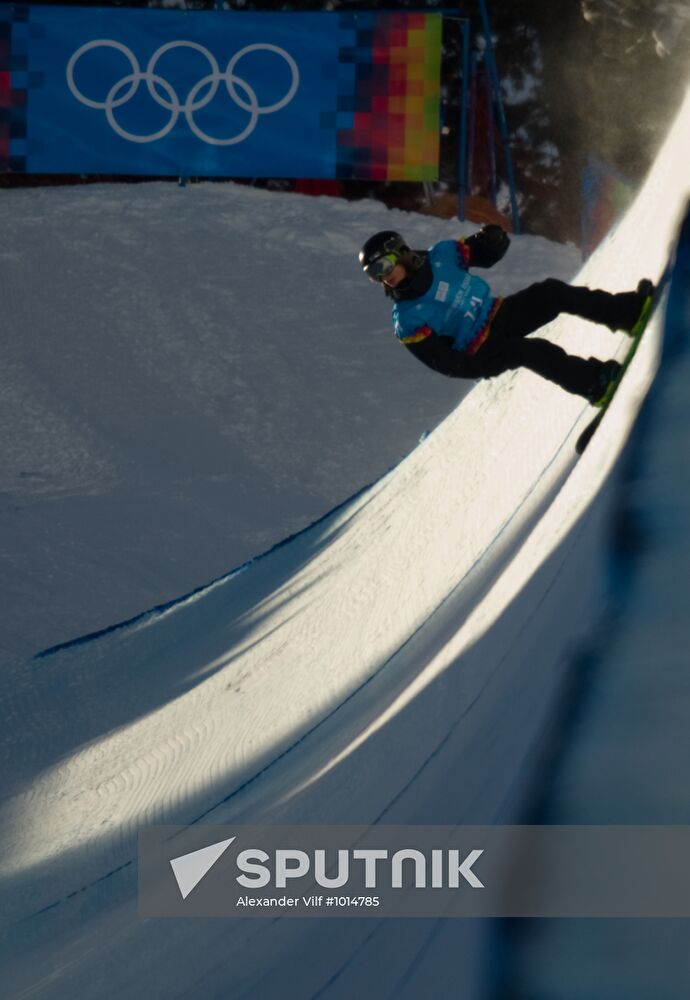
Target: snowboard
636, 336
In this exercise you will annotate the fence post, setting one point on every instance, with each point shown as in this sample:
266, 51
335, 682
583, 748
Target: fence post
496, 87
462, 164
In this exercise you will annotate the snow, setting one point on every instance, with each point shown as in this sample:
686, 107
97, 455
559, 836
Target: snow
188, 376
625, 762
399, 661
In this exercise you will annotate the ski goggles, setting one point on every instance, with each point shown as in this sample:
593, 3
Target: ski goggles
380, 268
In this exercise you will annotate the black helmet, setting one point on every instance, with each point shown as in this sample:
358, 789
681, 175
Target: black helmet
381, 252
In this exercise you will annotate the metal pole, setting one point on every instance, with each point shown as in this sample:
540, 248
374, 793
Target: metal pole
472, 127
495, 83
491, 135
462, 165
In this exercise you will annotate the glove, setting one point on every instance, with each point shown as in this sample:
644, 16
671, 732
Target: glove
487, 246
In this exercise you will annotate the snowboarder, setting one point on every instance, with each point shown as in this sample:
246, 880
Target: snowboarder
450, 320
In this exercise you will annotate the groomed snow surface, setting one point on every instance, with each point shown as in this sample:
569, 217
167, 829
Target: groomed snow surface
191, 375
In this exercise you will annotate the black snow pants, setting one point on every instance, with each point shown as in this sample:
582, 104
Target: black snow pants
506, 347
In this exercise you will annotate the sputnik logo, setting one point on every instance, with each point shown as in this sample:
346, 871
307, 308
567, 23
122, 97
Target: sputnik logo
189, 869
289, 865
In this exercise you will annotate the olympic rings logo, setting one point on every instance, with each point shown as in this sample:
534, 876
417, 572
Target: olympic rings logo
164, 94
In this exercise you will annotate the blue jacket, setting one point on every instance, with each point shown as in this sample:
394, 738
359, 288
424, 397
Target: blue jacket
457, 305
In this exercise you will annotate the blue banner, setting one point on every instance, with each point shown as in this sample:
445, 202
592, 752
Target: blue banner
207, 93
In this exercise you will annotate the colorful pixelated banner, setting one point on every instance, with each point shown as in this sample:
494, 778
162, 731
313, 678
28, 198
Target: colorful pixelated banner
218, 93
